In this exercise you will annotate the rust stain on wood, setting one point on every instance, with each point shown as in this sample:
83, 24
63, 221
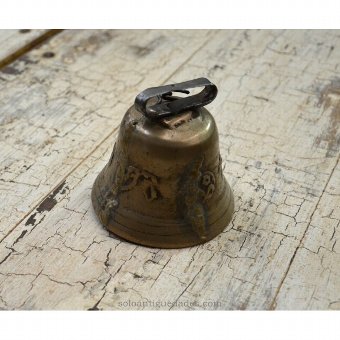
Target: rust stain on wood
89, 45
142, 51
20, 52
14, 68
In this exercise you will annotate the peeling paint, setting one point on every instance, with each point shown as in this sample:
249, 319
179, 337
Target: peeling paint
329, 99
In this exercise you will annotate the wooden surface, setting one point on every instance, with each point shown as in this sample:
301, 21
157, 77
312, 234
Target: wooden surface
278, 113
15, 43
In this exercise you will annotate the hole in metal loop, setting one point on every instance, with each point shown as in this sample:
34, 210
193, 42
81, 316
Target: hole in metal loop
169, 105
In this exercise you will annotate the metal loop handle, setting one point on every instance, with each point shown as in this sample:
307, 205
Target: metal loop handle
168, 105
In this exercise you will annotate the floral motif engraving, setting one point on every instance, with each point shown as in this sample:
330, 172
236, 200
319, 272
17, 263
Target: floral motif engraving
208, 184
196, 186
134, 175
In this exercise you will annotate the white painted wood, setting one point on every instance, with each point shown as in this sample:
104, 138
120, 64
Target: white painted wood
13, 40
313, 279
277, 113
55, 111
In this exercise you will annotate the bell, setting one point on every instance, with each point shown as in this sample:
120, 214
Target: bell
163, 185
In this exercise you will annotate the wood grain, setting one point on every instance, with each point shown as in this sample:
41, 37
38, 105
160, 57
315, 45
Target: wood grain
54, 111
15, 43
277, 113
313, 280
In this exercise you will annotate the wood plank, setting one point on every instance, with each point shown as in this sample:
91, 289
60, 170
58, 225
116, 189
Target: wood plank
280, 149
13, 43
69, 95
313, 280
276, 101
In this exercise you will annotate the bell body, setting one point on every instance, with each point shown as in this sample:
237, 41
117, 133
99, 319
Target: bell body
163, 185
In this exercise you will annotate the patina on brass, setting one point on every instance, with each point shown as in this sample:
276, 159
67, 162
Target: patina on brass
163, 185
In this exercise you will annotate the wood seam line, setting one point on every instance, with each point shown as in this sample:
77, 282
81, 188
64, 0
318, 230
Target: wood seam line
59, 183
30, 46
91, 152
188, 59
272, 306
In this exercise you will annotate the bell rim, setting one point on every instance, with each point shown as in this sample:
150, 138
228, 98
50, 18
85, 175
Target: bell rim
185, 239
142, 241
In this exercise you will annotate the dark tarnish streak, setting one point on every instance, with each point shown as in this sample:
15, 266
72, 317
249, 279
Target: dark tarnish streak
191, 197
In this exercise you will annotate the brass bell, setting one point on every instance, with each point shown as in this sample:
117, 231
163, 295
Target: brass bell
163, 185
